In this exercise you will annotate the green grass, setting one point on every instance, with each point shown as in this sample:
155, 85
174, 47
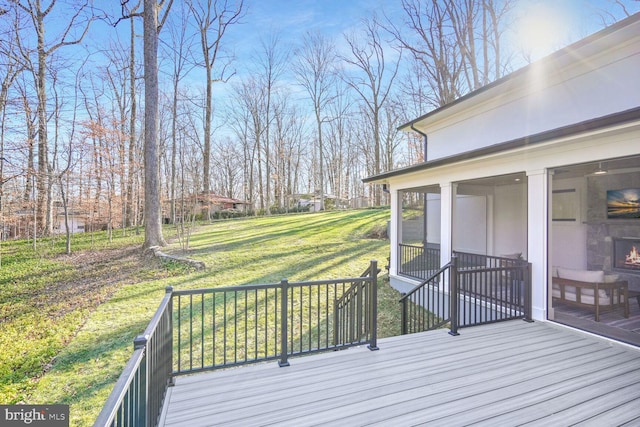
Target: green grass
44, 299
84, 341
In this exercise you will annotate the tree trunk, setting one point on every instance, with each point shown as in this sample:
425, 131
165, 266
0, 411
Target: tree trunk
152, 205
132, 132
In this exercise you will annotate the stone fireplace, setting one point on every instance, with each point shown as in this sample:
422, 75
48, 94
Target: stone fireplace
626, 254
610, 242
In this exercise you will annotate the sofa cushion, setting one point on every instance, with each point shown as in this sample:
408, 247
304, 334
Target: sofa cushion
581, 275
586, 295
585, 276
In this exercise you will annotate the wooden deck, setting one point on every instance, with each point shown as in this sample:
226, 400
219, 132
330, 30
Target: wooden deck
505, 374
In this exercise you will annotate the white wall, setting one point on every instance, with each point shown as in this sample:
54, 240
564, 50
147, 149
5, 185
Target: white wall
569, 239
76, 225
433, 218
544, 97
510, 220
470, 224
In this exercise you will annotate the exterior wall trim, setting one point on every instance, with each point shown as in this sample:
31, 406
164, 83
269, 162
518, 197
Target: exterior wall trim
565, 131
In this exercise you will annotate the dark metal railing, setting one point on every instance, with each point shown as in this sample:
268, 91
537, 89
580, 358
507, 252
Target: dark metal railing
138, 396
470, 290
426, 306
491, 289
231, 326
353, 311
418, 261
205, 329
468, 260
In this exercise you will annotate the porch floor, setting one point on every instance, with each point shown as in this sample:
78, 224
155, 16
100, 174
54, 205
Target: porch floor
501, 374
612, 324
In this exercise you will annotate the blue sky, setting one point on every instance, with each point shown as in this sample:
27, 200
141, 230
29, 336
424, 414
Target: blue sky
546, 25
558, 22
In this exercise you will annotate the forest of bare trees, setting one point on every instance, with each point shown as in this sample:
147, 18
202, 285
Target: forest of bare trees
302, 119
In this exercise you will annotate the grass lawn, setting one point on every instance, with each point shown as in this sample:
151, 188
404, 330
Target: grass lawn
69, 322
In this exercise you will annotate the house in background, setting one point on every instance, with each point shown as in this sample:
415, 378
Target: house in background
220, 203
200, 204
529, 167
76, 220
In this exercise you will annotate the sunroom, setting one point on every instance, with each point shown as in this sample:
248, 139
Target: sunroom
532, 168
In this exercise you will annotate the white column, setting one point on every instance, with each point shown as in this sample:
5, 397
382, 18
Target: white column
395, 231
538, 236
489, 249
447, 197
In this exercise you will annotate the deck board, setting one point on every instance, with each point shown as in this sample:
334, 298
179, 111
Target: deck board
500, 374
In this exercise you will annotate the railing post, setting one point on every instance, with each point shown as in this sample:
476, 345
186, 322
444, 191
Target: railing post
336, 321
284, 322
169, 290
528, 305
453, 296
373, 345
403, 315
140, 342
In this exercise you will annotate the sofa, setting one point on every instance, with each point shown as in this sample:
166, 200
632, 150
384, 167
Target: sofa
591, 289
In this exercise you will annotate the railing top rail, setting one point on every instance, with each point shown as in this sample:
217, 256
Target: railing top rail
226, 289
354, 288
494, 257
111, 406
409, 245
270, 286
418, 246
419, 286
155, 320
330, 282
483, 269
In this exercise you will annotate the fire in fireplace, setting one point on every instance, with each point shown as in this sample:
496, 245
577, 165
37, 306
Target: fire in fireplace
626, 254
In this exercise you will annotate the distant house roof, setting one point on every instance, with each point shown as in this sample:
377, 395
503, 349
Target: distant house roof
215, 198
221, 199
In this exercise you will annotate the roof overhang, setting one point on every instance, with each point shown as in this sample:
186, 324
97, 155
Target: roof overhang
519, 143
617, 32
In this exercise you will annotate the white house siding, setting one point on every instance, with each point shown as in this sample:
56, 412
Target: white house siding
76, 225
510, 212
619, 141
592, 79
548, 95
470, 224
569, 247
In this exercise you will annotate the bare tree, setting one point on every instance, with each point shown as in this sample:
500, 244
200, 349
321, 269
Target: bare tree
152, 191
240, 119
372, 81
131, 218
618, 9
180, 45
289, 131
44, 50
248, 123
315, 71
339, 138
453, 43
213, 20
30, 120
10, 68
271, 67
